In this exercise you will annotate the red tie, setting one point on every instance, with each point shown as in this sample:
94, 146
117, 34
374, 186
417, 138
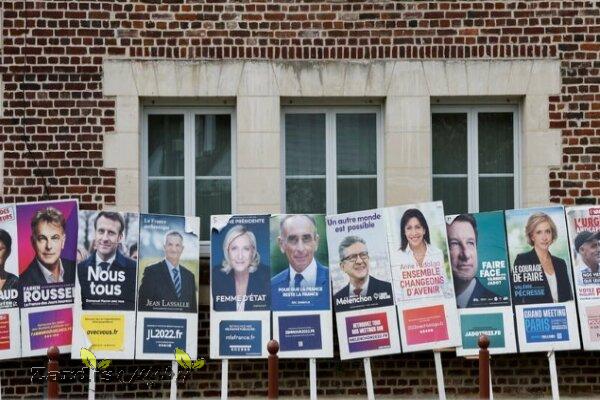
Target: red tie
357, 291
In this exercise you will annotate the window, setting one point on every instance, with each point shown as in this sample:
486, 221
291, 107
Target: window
475, 157
331, 159
187, 164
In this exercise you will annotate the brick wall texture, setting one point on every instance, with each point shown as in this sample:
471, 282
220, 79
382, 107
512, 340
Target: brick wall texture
54, 112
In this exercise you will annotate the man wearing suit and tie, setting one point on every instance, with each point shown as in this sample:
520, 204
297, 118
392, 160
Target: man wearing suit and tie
167, 285
107, 278
362, 290
304, 284
48, 238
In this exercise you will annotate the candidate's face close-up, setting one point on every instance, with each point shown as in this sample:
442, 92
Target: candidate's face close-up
241, 252
299, 242
590, 252
48, 240
3, 253
414, 232
542, 236
356, 261
107, 237
173, 249
463, 250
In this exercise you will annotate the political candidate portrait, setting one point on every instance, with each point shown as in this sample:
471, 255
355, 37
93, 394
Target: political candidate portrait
107, 278
48, 238
363, 290
240, 282
551, 283
168, 285
587, 247
462, 240
7, 280
304, 283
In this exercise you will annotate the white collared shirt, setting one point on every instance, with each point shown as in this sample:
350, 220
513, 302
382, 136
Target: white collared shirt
109, 261
363, 291
463, 299
309, 274
49, 276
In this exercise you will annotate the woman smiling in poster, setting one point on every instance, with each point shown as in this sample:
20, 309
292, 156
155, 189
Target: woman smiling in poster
241, 282
546, 275
7, 280
415, 242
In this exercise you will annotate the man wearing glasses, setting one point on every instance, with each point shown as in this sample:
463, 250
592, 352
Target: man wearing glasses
304, 285
362, 290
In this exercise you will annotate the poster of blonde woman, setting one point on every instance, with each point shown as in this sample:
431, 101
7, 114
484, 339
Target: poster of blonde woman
540, 273
421, 276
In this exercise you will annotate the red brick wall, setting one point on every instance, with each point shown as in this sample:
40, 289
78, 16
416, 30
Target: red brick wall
55, 117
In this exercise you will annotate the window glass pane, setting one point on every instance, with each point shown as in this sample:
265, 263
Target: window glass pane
213, 145
495, 142
305, 196
496, 194
449, 143
165, 196
453, 192
304, 144
356, 194
165, 145
356, 144
212, 197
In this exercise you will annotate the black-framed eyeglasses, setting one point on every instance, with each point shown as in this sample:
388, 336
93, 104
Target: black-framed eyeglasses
354, 257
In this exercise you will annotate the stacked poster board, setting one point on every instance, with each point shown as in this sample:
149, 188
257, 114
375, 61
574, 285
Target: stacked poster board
10, 333
105, 286
480, 269
240, 303
584, 241
542, 290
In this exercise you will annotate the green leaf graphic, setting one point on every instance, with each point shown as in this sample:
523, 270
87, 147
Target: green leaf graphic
198, 364
88, 358
104, 364
183, 358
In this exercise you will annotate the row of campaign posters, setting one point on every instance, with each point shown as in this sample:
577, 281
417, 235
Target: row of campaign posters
122, 285
403, 279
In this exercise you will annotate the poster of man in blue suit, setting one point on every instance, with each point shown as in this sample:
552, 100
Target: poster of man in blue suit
301, 280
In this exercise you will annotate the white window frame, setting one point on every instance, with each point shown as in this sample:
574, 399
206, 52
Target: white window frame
331, 177
189, 163
472, 174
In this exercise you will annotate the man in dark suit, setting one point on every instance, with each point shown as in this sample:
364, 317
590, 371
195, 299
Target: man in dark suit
305, 278
107, 278
48, 240
462, 239
362, 290
167, 285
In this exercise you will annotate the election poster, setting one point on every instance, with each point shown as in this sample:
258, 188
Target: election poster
584, 240
540, 275
47, 243
10, 330
422, 277
361, 284
240, 283
300, 286
480, 271
168, 279
105, 284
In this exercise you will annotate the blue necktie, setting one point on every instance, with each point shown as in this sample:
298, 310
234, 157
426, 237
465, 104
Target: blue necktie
104, 265
177, 282
297, 280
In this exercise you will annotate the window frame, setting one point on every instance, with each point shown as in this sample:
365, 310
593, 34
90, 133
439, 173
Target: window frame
331, 176
472, 174
189, 138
